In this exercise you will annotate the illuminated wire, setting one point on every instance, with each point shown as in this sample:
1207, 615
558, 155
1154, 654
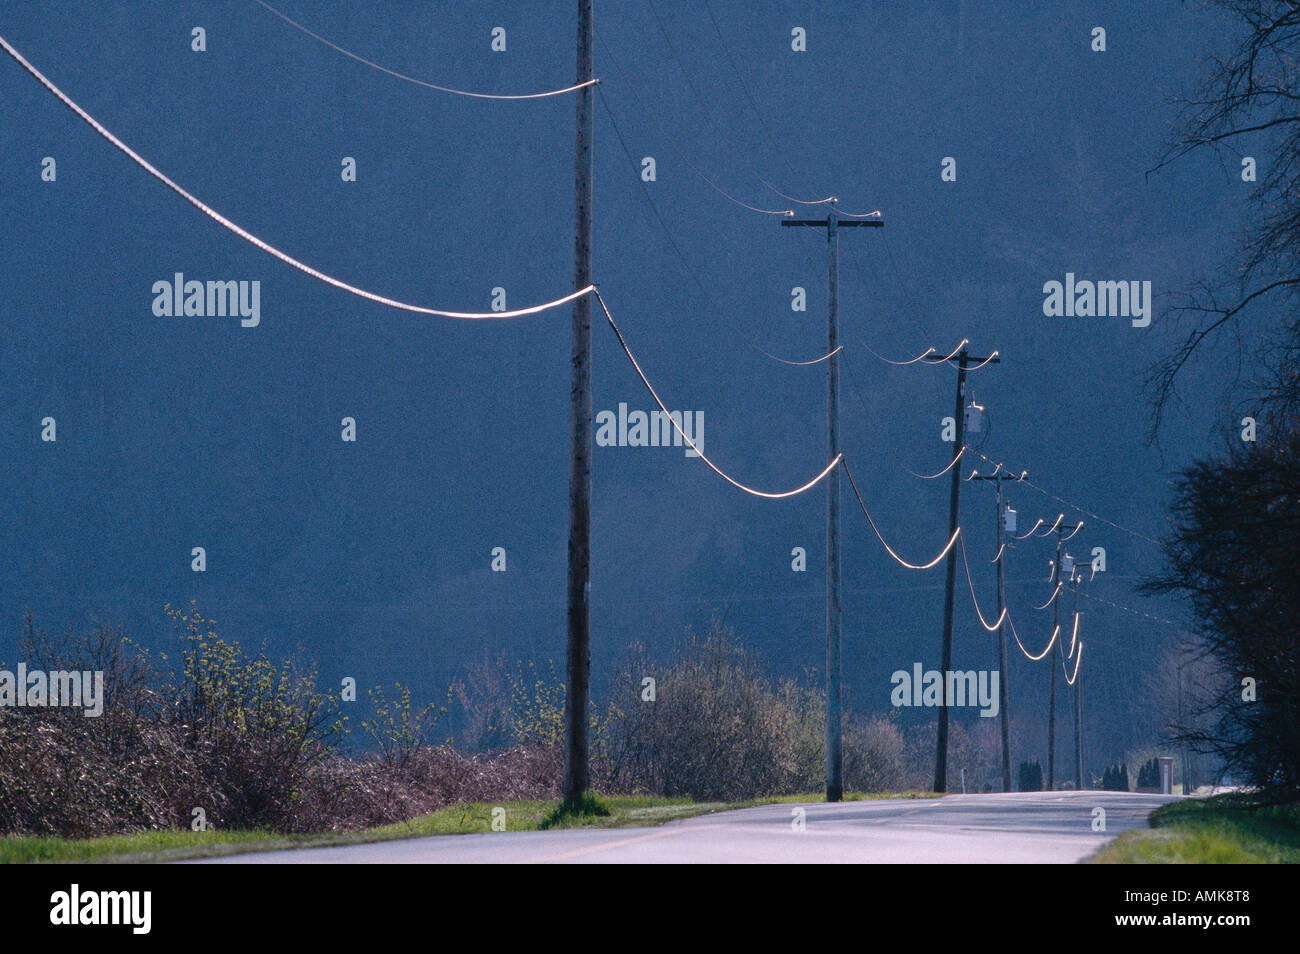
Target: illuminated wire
1069, 680
874, 529
618, 133
1052, 529
1030, 533
975, 600
952, 463
758, 113
264, 246
926, 356
930, 356
1050, 598
951, 354
901, 364
976, 367
676, 426
1074, 637
999, 554
410, 79
1056, 631
1077, 527
957, 350
874, 214
673, 143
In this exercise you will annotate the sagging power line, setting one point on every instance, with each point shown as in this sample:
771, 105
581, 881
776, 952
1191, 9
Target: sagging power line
419, 82
266, 246
690, 270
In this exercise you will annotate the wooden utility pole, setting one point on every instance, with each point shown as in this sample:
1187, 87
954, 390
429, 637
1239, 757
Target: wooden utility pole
954, 508
834, 749
1078, 698
1004, 692
1056, 655
578, 648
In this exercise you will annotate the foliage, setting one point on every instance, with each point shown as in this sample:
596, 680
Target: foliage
1149, 774
1226, 829
1232, 554
1115, 778
399, 730
718, 728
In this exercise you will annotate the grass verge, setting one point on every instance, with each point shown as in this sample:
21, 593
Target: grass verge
1225, 829
606, 811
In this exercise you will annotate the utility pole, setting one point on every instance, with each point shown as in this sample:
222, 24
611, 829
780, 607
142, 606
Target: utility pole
1004, 692
1183, 750
1078, 698
1078, 704
954, 505
578, 647
1056, 656
834, 749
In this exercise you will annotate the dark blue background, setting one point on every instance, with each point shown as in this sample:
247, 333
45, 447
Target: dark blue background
374, 556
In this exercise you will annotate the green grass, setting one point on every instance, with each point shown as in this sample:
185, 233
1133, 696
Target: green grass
1225, 829
607, 811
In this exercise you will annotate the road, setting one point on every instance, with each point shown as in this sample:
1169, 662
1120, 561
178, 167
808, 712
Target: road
1017, 828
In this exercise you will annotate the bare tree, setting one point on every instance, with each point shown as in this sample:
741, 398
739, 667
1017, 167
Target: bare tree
1254, 90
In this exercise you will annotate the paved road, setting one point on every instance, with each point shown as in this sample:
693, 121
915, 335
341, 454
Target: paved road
1022, 827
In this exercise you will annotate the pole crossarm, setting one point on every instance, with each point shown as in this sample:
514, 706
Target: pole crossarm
972, 358
839, 223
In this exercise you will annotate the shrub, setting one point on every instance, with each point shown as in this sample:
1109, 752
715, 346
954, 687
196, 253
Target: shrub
1149, 774
717, 729
1030, 778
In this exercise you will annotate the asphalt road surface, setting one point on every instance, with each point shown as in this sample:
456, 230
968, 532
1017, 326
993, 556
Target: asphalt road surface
1017, 828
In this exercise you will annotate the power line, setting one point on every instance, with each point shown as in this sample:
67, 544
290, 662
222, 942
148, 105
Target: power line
1074, 506
925, 355
848, 472
1052, 529
1056, 631
709, 115
901, 364
989, 627
419, 82
993, 357
1006, 615
265, 246
1050, 599
673, 143
951, 465
618, 133
677, 426
1069, 680
1030, 532
758, 113
1126, 609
